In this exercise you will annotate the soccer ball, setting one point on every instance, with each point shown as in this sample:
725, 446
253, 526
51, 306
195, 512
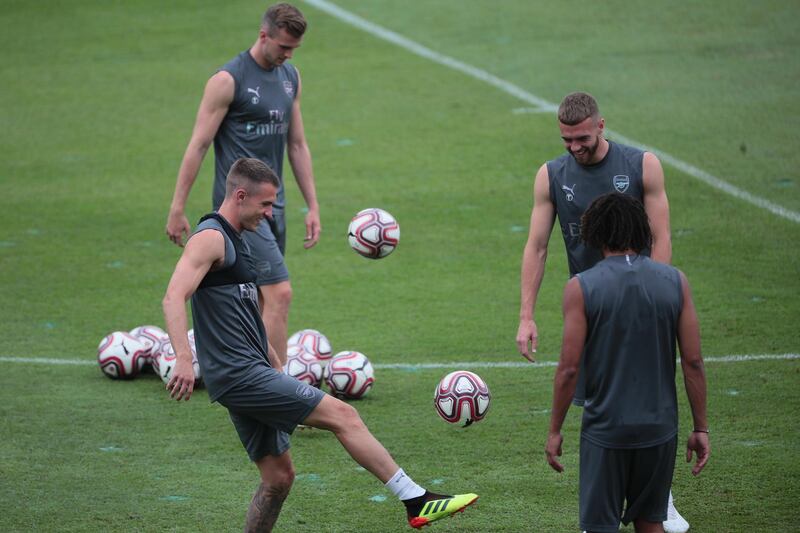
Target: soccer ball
303, 365
462, 396
155, 360
373, 233
152, 336
121, 355
315, 342
167, 360
349, 375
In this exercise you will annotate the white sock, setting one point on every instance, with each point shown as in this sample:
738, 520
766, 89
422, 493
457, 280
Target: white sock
403, 486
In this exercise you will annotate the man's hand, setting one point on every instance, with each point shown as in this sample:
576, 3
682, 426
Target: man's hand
698, 442
527, 339
178, 227
181, 383
553, 450
313, 228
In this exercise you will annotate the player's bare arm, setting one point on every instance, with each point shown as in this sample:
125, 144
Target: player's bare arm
217, 97
657, 207
566, 377
533, 261
203, 251
694, 379
300, 158
274, 359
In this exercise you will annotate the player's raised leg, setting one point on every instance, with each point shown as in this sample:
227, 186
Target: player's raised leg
344, 421
422, 507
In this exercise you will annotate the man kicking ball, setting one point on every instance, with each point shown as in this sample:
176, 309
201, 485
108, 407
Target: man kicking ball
265, 405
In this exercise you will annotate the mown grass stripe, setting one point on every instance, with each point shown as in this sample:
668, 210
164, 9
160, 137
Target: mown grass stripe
425, 366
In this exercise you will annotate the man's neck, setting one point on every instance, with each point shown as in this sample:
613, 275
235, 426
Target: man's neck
228, 213
611, 253
259, 59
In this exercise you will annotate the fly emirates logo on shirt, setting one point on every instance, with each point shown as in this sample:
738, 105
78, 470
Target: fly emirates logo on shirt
275, 125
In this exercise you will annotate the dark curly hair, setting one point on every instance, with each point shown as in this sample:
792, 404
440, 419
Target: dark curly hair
616, 222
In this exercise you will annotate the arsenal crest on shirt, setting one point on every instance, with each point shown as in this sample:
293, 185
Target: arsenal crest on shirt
621, 183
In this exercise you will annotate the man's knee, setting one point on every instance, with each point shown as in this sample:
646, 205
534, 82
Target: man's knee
281, 482
345, 417
278, 296
334, 415
277, 476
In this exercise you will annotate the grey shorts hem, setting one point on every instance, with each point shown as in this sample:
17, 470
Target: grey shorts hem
656, 520
621, 485
308, 412
280, 451
271, 280
283, 448
266, 408
599, 529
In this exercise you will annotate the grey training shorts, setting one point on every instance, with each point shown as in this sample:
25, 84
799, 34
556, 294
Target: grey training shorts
611, 477
266, 408
267, 246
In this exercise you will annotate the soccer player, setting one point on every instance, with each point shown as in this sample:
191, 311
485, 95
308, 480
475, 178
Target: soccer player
251, 108
216, 270
621, 321
565, 187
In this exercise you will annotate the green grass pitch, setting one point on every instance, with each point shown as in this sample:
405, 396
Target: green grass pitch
96, 107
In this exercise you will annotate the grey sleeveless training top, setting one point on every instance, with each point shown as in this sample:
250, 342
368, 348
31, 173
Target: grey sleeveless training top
228, 329
257, 122
573, 187
632, 307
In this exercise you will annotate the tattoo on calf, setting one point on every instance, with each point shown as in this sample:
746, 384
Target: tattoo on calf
265, 508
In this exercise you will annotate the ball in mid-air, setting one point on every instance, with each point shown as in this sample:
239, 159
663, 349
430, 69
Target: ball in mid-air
462, 396
349, 375
313, 341
373, 233
302, 364
121, 355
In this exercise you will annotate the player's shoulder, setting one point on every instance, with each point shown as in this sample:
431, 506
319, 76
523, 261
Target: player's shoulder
209, 223
664, 270
221, 85
235, 65
291, 74
630, 153
556, 167
559, 161
290, 68
206, 243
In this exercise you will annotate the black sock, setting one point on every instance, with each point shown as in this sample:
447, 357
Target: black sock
414, 505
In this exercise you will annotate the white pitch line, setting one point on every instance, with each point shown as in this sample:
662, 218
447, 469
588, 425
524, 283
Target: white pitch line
427, 366
542, 104
48, 361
